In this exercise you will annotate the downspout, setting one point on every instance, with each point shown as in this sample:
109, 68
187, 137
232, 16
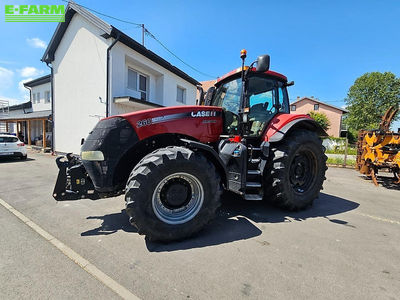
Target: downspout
108, 76
26, 127
52, 106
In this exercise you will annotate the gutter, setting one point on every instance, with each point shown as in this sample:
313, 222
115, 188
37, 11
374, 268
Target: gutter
108, 76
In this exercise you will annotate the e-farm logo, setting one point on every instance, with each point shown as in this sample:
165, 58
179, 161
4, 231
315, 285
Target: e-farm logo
34, 13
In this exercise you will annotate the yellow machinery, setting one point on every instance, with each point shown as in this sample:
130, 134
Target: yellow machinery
379, 149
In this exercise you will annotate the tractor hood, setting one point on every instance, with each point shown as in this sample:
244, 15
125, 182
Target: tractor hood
203, 123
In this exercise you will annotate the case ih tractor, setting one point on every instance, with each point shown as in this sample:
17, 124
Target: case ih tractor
173, 163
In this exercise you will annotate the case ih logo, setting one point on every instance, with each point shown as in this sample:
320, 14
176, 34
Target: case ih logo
204, 113
161, 119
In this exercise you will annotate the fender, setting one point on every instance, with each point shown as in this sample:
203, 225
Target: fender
281, 124
211, 154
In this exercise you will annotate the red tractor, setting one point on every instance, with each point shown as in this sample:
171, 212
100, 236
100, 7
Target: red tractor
173, 163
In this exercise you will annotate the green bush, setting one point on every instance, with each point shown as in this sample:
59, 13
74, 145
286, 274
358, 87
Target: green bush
321, 119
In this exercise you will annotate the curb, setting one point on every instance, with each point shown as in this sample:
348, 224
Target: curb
341, 166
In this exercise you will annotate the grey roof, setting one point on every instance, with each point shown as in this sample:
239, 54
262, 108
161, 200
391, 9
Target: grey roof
21, 115
24, 106
109, 31
38, 81
320, 102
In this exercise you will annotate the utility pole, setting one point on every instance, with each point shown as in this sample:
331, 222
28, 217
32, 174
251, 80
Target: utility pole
142, 34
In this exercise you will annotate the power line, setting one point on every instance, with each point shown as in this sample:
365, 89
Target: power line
165, 47
148, 33
104, 15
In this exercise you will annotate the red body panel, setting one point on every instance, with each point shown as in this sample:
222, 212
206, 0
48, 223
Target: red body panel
279, 121
204, 123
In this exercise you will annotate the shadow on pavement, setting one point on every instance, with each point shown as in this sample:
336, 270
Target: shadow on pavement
388, 182
111, 224
236, 217
234, 222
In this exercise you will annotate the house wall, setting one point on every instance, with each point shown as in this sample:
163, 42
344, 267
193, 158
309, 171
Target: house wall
41, 89
79, 71
334, 115
162, 84
79, 80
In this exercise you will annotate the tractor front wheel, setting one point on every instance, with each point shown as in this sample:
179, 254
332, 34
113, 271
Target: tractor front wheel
296, 170
172, 193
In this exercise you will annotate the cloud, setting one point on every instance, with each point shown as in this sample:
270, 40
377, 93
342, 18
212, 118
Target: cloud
6, 78
36, 43
23, 90
30, 72
21, 87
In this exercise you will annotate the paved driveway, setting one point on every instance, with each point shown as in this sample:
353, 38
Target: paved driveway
346, 246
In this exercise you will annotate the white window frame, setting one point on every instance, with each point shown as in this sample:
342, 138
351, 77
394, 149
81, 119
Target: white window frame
47, 97
178, 87
138, 82
38, 97
316, 105
293, 106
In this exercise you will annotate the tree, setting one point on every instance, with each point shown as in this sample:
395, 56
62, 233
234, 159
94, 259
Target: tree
369, 97
321, 119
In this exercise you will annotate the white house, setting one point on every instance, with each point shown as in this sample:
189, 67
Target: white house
40, 97
99, 71
31, 121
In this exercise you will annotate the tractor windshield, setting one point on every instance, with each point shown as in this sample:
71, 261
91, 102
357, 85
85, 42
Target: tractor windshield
265, 96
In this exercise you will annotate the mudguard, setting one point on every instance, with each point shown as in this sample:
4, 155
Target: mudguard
211, 154
281, 124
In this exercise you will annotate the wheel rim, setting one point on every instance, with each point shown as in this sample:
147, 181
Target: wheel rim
178, 198
303, 171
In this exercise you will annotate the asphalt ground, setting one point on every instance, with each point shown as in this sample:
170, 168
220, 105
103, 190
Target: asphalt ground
346, 246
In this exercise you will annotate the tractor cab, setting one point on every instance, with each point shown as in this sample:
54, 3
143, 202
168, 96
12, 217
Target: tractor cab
266, 95
249, 97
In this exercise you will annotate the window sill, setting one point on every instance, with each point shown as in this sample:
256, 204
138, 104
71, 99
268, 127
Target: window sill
135, 102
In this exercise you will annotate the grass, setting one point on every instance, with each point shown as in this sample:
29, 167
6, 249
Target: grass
350, 151
340, 161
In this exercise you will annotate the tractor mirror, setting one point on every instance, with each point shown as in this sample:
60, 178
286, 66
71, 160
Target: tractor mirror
200, 101
209, 95
263, 63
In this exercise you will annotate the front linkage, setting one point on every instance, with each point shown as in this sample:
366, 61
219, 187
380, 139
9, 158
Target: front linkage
74, 183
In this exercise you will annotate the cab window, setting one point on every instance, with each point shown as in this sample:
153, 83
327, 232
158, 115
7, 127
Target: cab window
227, 96
262, 95
283, 100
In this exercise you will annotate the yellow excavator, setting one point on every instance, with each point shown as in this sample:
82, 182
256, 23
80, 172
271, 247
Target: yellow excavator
379, 149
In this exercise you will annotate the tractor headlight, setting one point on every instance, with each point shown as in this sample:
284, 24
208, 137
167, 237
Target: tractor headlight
92, 155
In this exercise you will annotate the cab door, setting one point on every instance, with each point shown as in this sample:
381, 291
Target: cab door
262, 99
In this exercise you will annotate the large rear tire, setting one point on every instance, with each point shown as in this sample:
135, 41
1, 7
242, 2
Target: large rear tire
172, 193
295, 172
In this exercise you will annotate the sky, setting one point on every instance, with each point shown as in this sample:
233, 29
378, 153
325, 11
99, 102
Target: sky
324, 46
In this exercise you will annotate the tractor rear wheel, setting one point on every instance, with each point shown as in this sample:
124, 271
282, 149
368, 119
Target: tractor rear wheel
296, 171
172, 193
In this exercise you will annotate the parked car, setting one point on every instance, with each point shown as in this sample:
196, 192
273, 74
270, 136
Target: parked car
11, 146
